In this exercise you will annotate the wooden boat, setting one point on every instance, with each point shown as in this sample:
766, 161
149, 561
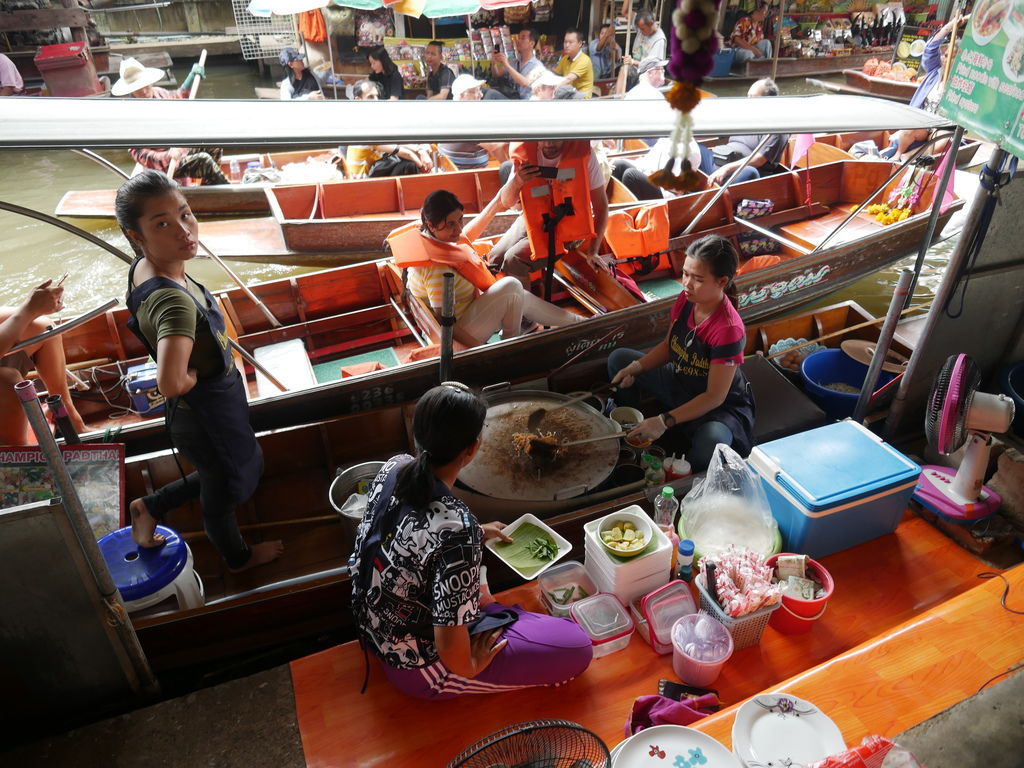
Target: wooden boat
800, 66
358, 314
899, 90
964, 156
305, 591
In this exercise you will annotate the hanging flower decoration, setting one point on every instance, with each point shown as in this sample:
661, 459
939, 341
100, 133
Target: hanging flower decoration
902, 200
694, 45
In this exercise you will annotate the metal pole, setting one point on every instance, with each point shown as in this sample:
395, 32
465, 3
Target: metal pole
721, 190
447, 326
778, 44
67, 228
330, 56
885, 335
945, 290
117, 617
933, 219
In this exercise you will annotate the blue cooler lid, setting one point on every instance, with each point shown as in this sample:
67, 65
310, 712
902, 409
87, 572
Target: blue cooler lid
139, 571
836, 464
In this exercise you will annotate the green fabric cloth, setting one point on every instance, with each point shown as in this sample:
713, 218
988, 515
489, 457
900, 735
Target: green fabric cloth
664, 288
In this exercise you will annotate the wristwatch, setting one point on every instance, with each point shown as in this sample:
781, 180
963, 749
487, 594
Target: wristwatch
668, 420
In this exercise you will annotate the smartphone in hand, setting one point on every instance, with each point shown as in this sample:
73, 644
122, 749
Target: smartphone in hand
548, 172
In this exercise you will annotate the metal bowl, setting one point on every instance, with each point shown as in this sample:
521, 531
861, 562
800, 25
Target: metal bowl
348, 481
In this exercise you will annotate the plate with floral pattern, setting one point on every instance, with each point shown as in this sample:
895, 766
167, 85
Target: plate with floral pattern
777, 730
672, 746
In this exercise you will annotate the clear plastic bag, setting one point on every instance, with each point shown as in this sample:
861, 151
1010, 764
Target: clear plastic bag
729, 506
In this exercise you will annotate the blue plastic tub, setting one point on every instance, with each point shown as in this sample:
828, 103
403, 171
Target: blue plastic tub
1011, 382
723, 62
832, 366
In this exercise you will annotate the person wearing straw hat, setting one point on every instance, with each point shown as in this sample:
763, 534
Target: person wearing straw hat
299, 82
202, 164
139, 81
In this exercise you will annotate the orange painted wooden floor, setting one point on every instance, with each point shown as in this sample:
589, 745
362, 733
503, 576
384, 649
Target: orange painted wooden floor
881, 585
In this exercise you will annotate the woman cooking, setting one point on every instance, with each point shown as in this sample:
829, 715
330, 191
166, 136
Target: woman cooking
416, 588
178, 322
694, 373
483, 304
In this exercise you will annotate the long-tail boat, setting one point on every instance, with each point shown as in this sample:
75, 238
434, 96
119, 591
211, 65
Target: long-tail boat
372, 344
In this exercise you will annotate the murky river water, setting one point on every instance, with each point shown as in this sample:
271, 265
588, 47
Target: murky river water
33, 251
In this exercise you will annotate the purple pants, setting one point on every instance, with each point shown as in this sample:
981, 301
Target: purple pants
541, 650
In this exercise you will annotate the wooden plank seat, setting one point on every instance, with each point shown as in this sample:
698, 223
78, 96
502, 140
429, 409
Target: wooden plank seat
912, 571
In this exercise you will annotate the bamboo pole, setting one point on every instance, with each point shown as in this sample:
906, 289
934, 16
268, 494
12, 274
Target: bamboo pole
195, 83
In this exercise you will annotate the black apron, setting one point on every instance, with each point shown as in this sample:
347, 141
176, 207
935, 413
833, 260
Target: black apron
219, 400
691, 356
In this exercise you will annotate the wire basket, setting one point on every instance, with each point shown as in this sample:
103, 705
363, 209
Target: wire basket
745, 630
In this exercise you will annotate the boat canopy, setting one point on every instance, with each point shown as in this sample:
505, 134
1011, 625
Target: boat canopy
39, 123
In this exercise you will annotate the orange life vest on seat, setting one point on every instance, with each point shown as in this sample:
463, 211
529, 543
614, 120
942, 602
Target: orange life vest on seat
540, 196
410, 247
638, 231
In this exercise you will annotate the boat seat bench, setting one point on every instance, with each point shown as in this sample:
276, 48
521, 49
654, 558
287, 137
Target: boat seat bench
889, 652
288, 362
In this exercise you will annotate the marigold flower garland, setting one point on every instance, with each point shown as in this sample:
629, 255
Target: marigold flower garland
901, 203
694, 45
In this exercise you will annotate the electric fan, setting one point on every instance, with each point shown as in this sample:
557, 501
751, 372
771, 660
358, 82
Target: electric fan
537, 744
958, 414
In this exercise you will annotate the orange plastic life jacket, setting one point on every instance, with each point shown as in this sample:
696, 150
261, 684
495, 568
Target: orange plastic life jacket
411, 248
638, 231
539, 196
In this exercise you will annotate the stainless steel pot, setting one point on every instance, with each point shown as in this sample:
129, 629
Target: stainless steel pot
500, 471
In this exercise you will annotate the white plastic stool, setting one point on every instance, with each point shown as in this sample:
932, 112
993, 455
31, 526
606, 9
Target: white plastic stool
147, 576
187, 589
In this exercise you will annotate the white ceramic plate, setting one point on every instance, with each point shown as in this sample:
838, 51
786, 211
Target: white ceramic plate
665, 746
778, 729
560, 542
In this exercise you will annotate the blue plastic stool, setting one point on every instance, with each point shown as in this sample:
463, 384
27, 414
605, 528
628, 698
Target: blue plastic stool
147, 576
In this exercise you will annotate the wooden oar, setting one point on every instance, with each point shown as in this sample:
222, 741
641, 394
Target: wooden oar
948, 65
195, 83
274, 322
843, 331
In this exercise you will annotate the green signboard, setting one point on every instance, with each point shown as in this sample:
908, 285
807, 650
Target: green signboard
985, 91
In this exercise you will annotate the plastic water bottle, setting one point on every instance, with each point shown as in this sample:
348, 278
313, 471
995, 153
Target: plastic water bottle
234, 172
654, 474
684, 560
665, 507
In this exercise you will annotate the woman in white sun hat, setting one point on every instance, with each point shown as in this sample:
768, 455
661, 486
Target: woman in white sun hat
139, 81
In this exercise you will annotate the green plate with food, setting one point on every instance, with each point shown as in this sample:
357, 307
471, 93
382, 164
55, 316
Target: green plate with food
534, 548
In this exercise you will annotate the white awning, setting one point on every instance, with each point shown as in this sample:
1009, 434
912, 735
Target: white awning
66, 123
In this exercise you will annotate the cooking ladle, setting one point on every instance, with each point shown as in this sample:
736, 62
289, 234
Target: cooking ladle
538, 414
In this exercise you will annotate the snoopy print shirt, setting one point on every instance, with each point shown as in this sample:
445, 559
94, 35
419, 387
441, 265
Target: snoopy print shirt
424, 573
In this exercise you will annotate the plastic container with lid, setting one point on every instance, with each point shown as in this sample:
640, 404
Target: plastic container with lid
700, 647
564, 584
606, 622
659, 611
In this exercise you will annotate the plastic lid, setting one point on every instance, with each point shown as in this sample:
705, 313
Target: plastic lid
602, 617
686, 547
668, 491
655, 464
664, 606
137, 571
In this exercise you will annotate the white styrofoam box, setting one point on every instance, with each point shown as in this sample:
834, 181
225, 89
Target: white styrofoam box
657, 555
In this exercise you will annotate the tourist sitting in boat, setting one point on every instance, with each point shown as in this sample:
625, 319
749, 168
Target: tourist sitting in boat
439, 75
466, 155
739, 148
928, 94
748, 37
207, 411
694, 373
651, 73
526, 68
384, 72
299, 82
384, 159
199, 163
605, 53
633, 174
417, 596
483, 304
46, 357
11, 83
524, 247
575, 67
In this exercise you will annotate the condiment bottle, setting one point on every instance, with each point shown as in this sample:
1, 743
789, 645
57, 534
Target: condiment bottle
654, 475
676, 469
234, 171
684, 560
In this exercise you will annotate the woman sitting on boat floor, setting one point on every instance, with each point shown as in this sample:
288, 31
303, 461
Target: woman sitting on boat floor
207, 412
694, 372
417, 596
483, 303
47, 357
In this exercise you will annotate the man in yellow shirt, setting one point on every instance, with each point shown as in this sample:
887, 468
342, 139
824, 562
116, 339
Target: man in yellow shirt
575, 66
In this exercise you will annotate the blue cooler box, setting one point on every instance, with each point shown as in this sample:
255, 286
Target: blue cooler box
834, 487
141, 383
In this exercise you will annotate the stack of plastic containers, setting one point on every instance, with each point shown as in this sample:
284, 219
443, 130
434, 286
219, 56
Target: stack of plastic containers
564, 584
700, 647
628, 578
654, 614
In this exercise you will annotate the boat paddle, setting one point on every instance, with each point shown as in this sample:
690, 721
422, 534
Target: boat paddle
195, 83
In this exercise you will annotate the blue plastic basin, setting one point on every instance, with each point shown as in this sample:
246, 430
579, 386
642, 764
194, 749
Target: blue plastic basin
832, 366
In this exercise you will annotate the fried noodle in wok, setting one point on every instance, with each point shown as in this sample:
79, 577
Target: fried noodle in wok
533, 443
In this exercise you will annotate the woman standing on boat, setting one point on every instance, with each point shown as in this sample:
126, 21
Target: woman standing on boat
483, 304
694, 373
178, 322
416, 587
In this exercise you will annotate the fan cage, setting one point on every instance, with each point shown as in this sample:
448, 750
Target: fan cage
951, 398
537, 744
262, 37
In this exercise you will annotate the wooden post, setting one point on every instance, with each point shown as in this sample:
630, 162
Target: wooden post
778, 42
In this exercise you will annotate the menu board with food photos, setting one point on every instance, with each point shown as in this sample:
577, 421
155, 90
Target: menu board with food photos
910, 47
985, 91
97, 471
